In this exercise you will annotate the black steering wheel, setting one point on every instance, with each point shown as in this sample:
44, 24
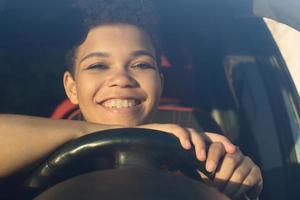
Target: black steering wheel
132, 151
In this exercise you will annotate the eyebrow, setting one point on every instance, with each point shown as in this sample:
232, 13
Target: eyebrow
143, 53
94, 54
104, 54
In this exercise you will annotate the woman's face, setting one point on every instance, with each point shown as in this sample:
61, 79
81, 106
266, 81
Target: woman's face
116, 79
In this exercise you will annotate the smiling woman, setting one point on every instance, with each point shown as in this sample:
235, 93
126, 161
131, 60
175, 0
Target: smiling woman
115, 67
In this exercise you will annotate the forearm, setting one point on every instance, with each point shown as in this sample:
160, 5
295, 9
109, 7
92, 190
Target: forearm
24, 139
286, 11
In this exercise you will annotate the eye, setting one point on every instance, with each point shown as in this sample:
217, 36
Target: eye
97, 66
144, 66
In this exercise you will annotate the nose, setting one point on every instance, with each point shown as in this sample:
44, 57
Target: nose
122, 79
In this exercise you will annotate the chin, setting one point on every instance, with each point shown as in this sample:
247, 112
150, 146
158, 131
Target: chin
128, 123
122, 123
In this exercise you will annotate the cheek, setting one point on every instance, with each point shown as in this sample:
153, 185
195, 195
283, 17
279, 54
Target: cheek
152, 84
87, 87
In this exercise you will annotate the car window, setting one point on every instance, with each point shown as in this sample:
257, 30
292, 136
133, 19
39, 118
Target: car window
288, 41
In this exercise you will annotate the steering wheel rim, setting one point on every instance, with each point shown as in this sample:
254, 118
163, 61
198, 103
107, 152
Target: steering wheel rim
129, 147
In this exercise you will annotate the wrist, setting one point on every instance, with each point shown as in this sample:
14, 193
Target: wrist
88, 128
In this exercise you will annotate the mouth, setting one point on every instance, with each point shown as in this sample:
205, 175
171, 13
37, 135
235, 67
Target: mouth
126, 103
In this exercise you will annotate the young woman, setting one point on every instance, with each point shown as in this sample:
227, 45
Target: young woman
115, 79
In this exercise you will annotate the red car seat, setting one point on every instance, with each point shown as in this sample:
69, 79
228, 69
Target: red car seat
168, 112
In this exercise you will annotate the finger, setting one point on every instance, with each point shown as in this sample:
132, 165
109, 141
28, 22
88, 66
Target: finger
255, 192
199, 144
226, 169
213, 137
238, 177
252, 184
205, 179
182, 134
215, 153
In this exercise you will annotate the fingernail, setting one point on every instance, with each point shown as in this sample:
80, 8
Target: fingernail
210, 166
233, 148
187, 144
202, 155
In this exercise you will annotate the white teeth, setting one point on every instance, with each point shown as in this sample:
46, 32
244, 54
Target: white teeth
130, 103
120, 103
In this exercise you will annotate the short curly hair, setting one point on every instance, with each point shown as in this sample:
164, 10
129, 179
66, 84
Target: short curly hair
140, 13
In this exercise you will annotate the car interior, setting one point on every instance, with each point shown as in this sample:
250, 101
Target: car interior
221, 72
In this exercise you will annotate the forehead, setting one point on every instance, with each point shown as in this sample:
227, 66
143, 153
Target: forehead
116, 39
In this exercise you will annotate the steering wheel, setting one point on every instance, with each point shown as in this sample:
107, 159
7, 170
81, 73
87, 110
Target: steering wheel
133, 152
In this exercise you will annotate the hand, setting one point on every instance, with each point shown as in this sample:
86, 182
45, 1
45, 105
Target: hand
189, 137
236, 174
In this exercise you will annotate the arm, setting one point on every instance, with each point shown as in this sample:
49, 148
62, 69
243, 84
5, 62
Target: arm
24, 139
285, 11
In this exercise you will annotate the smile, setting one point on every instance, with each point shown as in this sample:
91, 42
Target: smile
120, 103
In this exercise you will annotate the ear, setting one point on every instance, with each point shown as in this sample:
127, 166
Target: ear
162, 81
70, 87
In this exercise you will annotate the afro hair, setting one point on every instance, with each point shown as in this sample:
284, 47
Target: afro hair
140, 13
